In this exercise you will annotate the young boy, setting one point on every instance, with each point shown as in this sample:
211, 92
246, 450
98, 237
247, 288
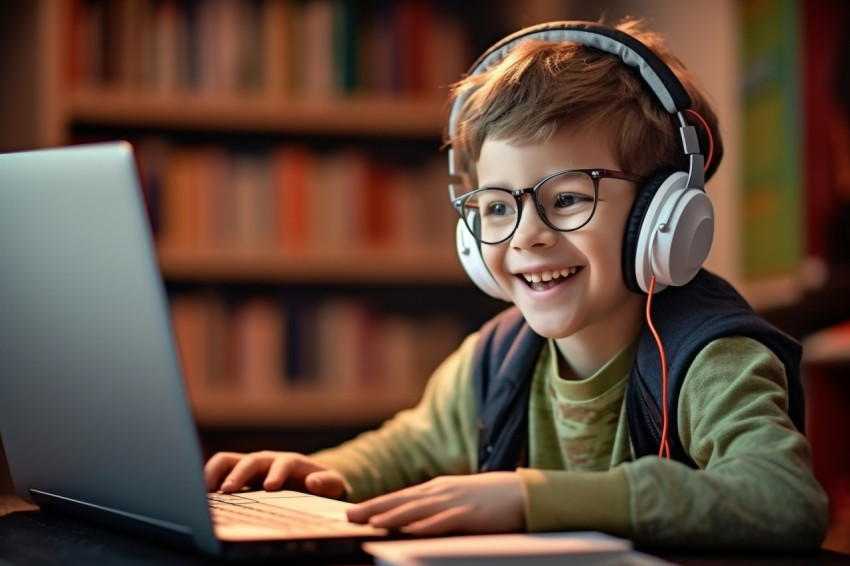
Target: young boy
562, 449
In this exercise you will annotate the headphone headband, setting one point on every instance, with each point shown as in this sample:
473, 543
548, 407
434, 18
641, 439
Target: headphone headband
656, 74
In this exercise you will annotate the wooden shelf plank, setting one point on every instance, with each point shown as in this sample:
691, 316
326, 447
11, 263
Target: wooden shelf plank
357, 116
343, 266
300, 407
828, 346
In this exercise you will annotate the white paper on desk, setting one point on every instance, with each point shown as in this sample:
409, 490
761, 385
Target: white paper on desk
543, 549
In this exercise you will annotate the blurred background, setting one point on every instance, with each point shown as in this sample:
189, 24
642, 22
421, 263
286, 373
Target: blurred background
290, 157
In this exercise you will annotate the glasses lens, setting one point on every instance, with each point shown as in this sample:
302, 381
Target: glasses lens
568, 200
490, 214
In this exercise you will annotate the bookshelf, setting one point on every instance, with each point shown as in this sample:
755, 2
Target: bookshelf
326, 306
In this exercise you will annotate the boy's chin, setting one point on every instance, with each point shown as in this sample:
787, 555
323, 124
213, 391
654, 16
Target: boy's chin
549, 326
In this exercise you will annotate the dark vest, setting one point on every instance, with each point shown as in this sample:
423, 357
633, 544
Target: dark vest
687, 318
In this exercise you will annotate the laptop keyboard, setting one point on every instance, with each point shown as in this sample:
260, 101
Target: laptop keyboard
234, 510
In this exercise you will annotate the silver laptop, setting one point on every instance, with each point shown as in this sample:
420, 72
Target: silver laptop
94, 415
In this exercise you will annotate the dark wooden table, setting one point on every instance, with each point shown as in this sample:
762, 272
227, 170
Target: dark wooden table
29, 537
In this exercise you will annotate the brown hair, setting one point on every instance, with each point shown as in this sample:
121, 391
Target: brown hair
543, 86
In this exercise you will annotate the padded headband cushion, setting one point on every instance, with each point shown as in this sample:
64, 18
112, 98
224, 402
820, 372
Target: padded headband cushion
657, 75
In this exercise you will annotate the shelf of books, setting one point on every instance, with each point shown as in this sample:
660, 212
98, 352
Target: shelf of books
342, 206
314, 51
284, 359
289, 158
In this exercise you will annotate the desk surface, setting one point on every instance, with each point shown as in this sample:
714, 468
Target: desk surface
33, 538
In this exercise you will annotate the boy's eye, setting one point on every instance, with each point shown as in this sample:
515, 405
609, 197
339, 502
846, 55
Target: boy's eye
494, 203
565, 200
568, 192
498, 209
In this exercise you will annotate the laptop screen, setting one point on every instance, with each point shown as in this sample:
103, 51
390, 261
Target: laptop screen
93, 407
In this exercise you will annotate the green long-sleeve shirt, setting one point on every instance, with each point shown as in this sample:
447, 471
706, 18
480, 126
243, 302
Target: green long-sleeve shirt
754, 488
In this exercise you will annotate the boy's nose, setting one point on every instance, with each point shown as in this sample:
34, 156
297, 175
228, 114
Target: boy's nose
531, 231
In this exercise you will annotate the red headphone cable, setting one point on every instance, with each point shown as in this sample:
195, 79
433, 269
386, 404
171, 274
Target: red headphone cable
664, 450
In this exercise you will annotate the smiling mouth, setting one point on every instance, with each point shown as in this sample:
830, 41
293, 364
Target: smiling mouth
548, 279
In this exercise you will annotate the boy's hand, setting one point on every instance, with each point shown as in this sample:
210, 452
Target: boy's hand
231, 471
481, 503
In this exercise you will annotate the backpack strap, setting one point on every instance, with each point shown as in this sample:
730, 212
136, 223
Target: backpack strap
505, 356
688, 318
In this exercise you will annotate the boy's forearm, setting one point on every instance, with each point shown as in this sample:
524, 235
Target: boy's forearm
561, 500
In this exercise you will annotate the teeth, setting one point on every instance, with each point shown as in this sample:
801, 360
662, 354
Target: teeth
545, 276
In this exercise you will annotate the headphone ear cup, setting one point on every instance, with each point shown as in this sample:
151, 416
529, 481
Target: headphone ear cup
469, 252
645, 193
675, 233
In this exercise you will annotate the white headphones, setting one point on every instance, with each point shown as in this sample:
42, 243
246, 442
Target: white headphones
671, 224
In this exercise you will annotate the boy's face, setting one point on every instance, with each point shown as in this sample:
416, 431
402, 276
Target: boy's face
592, 301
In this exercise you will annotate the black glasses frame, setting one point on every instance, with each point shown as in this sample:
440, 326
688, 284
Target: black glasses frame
594, 174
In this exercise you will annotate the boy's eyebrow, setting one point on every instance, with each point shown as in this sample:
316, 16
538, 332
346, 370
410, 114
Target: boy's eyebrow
495, 185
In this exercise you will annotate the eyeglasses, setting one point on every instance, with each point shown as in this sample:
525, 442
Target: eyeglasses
565, 201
